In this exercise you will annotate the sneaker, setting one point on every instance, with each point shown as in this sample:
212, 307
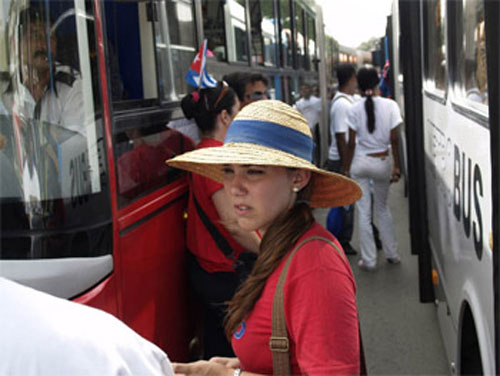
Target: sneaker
366, 268
349, 250
394, 260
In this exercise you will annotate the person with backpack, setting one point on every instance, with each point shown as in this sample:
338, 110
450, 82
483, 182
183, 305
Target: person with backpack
342, 101
296, 312
214, 240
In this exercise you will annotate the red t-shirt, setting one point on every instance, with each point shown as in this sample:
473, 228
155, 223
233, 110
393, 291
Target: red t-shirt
320, 312
199, 240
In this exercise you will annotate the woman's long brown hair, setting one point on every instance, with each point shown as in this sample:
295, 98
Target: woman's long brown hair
277, 241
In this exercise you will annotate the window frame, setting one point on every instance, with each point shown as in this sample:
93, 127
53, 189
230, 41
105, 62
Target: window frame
429, 82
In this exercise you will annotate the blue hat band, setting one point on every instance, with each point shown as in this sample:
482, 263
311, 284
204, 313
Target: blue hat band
272, 135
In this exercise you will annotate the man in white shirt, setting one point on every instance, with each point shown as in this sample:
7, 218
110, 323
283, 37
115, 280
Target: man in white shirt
41, 335
310, 106
43, 89
339, 131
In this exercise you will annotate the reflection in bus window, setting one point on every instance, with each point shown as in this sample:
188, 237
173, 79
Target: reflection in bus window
213, 28
332, 52
236, 30
141, 166
175, 45
50, 136
311, 43
476, 83
300, 35
263, 32
435, 47
286, 33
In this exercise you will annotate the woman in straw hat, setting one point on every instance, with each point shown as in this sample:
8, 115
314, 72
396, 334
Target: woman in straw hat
373, 126
265, 166
211, 269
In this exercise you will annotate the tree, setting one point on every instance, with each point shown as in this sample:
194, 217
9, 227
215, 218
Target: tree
372, 44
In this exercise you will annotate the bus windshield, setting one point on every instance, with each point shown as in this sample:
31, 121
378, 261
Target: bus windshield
52, 161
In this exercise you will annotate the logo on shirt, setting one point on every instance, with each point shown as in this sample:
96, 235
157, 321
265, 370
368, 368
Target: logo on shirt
240, 331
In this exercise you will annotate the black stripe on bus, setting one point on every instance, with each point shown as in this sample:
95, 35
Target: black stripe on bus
93, 286
435, 97
151, 215
476, 117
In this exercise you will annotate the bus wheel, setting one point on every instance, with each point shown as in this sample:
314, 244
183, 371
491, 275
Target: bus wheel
470, 355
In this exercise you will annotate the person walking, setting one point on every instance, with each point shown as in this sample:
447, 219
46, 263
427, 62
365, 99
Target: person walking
373, 128
339, 131
211, 224
266, 167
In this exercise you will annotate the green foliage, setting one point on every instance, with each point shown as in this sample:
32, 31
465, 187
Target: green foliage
370, 45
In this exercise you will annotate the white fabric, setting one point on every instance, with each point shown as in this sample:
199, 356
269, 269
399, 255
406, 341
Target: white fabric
387, 117
46, 336
63, 107
311, 109
341, 103
377, 170
187, 127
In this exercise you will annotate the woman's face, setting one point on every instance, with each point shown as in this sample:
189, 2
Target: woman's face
259, 194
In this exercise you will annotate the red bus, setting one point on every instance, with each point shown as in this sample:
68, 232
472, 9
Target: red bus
89, 104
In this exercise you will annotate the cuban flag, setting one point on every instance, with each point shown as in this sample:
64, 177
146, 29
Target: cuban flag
197, 75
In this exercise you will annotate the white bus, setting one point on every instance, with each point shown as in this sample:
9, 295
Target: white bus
449, 55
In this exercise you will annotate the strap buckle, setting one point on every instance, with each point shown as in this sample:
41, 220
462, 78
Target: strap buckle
279, 344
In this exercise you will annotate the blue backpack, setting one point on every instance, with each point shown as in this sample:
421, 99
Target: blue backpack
334, 221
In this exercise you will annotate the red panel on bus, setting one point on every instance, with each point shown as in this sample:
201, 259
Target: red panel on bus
154, 279
103, 296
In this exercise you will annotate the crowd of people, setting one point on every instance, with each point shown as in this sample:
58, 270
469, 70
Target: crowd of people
276, 288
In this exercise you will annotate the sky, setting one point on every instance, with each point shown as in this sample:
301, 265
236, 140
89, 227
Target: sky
352, 22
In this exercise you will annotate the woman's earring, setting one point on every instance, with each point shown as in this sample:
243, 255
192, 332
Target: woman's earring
295, 189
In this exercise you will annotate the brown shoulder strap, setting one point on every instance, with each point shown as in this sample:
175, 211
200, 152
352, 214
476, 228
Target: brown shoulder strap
279, 343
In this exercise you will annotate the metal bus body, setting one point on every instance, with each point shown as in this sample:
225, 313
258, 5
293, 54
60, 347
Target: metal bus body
89, 210
450, 156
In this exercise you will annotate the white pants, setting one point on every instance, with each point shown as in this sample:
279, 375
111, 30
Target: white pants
374, 172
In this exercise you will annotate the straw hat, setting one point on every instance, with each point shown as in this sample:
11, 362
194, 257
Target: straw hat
271, 133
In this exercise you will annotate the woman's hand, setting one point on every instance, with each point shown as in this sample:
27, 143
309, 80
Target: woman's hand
396, 174
227, 362
203, 368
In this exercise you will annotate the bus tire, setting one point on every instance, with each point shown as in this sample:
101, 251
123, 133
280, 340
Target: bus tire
470, 354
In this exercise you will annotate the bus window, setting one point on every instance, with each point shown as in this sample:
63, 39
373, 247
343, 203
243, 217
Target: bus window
332, 55
473, 55
300, 36
213, 28
175, 46
311, 43
236, 30
54, 200
130, 50
263, 32
152, 40
141, 155
286, 34
434, 44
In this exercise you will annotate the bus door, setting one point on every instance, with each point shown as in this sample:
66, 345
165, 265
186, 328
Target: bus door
150, 46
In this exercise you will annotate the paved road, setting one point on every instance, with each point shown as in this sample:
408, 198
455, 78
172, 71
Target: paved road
401, 336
